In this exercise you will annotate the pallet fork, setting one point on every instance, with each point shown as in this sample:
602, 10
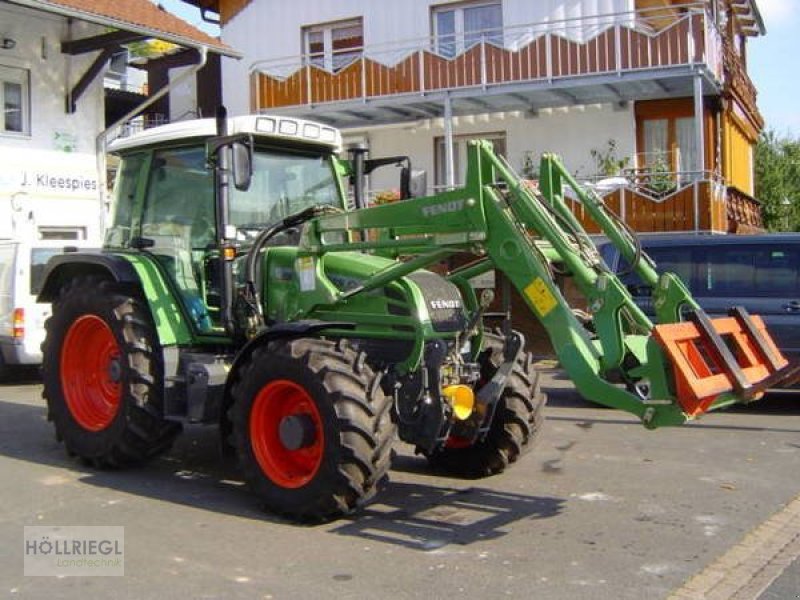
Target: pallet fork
713, 356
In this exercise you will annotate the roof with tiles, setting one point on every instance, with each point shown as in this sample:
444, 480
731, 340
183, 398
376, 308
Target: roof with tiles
135, 15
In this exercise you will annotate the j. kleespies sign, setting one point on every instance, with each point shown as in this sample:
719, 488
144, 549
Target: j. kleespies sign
58, 182
44, 179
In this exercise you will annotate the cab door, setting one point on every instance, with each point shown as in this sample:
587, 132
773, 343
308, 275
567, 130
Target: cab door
177, 225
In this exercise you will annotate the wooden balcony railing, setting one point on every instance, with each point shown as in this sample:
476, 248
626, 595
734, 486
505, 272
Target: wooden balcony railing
744, 212
537, 52
705, 205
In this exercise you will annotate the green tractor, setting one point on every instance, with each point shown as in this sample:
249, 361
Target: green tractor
239, 286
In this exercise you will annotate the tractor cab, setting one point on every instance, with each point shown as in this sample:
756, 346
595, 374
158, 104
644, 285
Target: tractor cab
165, 199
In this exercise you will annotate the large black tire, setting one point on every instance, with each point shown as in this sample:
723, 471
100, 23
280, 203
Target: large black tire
103, 375
346, 455
517, 423
5, 370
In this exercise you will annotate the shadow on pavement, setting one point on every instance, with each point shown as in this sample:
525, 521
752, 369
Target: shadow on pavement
195, 474
784, 402
20, 376
422, 517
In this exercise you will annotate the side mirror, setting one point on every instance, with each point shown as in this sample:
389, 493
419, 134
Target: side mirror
241, 162
242, 166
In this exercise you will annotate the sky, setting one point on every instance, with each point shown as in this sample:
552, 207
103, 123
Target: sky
189, 13
770, 63
770, 59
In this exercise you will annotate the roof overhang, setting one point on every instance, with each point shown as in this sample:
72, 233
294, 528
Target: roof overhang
48, 6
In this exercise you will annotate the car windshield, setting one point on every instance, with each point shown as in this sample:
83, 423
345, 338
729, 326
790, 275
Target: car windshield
282, 184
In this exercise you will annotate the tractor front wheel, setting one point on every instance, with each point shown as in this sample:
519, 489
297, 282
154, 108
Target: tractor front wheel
311, 427
102, 376
517, 422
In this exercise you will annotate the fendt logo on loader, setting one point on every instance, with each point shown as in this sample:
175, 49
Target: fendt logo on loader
443, 208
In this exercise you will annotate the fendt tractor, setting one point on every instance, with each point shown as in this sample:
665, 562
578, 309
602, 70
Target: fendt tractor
242, 285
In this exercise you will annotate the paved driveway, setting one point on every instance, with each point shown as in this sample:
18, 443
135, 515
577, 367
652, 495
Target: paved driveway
601, 509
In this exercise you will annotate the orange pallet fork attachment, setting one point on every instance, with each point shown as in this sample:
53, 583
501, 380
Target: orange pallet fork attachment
713, 356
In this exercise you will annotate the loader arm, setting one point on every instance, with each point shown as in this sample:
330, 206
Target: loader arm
627, 362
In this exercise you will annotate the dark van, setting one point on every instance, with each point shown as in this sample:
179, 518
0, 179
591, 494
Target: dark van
759, 272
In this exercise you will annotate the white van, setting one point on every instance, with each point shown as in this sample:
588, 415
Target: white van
22, 265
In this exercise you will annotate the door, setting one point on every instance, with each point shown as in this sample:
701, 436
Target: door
178, 224
7, 267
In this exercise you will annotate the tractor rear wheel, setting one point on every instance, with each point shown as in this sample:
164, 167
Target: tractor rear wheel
518, 420
311, 427
103, 376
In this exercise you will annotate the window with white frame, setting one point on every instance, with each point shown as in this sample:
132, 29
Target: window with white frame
458, 27
14, 90
333, 46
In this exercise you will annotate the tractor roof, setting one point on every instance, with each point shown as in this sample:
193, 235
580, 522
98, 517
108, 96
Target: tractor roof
260, 126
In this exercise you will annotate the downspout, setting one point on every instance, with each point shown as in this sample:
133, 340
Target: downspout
449, 160
699, 122
101, 142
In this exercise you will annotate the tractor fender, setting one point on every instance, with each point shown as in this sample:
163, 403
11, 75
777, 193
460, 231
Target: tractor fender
137, 274
280, 331
63, 267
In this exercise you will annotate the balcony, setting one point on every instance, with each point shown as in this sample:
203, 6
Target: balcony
602, 58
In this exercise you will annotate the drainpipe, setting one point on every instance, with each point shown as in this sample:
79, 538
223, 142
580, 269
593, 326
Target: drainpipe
449, 162
698, 124
700, 146
101, 142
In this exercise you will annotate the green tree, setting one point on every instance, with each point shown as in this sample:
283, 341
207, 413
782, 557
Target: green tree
777, 172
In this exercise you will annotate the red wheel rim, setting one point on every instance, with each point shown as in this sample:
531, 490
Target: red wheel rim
90, 373
286, 467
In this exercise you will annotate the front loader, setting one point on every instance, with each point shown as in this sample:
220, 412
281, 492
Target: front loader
238, 286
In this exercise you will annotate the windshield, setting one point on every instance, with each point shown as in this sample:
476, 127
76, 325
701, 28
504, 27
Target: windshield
282, 184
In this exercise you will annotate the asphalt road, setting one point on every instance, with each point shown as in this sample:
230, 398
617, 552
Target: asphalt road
602, 508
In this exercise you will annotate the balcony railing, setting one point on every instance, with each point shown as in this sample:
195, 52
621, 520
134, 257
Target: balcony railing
685, 201
607, 44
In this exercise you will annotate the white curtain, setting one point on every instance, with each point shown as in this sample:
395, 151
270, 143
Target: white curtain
655, 141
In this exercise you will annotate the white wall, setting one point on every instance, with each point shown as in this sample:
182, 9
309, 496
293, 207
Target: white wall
183, 97
38, 36
38, 171
271, 29
571, 133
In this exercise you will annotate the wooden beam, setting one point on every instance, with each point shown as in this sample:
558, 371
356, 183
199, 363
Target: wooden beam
83, 83
182, 58
100, 42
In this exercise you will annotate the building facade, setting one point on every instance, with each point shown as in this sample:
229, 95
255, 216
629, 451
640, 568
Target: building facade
650, 98
54, 55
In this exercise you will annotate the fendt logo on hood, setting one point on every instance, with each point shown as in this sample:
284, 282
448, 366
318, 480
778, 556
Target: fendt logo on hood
443, 208
445, 304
